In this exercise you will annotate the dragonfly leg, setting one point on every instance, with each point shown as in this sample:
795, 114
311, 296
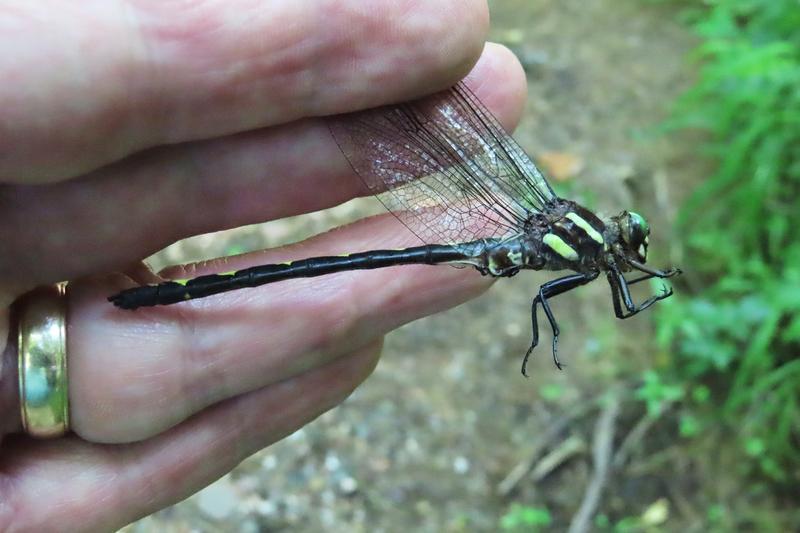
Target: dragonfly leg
653, 273
661, 275
549, 290
641, 278
621, 294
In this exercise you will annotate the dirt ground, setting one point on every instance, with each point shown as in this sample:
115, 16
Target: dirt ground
447, 434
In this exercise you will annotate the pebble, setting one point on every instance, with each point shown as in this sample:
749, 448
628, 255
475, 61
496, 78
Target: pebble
348, 485
218, 500
332, 462
461, 465
269, 462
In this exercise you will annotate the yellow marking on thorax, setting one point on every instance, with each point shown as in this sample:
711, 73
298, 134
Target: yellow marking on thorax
557, 244
585, 226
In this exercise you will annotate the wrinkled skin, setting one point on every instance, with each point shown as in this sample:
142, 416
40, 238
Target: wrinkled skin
126, 125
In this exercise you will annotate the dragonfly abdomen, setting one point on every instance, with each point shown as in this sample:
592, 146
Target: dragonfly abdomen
171, 292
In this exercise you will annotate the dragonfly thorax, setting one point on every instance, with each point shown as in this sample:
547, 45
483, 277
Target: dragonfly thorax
571, 238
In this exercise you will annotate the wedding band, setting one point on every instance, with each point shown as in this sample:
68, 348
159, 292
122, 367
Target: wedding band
42, 352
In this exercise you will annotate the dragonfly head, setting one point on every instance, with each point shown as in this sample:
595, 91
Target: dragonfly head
635, 233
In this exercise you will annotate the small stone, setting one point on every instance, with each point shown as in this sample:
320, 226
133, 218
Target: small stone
412, 445
513, 329
218, 500
247, 483
332, 462
461, 465
269, 462
249, 526
348, 485
266, 508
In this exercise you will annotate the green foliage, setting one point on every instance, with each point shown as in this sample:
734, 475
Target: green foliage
629, 524
652, 519
525, 518
656, 392
552, 391
741, 331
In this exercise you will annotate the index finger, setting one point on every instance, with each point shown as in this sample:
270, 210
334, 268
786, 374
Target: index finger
100, 80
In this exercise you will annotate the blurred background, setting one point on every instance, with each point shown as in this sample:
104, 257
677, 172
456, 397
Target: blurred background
683, 418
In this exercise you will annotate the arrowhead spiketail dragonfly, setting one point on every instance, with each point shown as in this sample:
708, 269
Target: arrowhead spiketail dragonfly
446, 168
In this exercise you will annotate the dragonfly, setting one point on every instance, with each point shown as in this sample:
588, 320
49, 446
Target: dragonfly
446, 168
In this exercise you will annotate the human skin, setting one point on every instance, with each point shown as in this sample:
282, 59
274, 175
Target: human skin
127, 125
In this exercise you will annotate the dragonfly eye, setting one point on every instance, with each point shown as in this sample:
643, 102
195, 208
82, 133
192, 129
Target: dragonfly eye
636, 233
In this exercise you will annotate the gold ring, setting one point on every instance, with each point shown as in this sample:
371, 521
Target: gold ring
42, 352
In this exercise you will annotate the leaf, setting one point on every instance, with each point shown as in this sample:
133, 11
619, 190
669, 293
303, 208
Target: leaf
562, 166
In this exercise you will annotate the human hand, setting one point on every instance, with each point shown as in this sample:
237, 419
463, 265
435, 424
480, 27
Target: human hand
127, 126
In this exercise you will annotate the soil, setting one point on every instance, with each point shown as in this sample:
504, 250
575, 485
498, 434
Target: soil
431, 439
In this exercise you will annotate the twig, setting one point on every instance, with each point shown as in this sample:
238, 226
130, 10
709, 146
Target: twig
636, 434
513, 478
572, 446
683, 505
653, 462
602, 449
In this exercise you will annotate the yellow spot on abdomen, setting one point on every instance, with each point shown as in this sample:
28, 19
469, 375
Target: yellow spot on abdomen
557, 244
585, 226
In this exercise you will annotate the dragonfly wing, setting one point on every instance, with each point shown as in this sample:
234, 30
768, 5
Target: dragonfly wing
444, 166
